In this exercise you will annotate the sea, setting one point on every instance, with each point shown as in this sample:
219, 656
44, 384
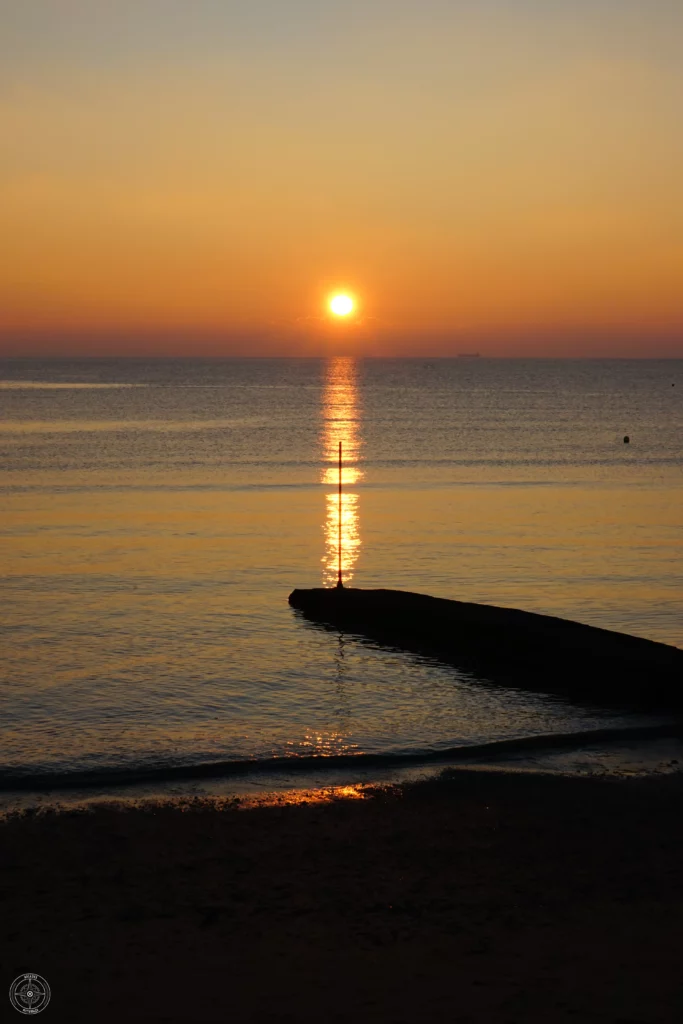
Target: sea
156, 514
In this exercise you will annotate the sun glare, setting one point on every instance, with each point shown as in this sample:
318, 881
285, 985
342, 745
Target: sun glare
341, 305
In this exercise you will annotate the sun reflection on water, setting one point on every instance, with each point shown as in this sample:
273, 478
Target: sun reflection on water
341, 422
322, 743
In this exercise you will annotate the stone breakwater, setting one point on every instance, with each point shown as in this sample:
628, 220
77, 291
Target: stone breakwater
508, 646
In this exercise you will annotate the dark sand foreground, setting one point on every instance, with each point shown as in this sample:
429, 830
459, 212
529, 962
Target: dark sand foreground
489, 897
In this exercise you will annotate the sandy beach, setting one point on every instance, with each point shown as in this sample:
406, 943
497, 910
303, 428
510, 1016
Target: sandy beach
485, 896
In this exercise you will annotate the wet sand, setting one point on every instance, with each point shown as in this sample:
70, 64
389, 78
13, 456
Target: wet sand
482, 897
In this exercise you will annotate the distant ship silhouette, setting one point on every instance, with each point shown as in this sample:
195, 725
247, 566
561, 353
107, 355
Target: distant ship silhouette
469, 355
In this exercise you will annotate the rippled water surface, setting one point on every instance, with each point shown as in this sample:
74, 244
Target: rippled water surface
155, 516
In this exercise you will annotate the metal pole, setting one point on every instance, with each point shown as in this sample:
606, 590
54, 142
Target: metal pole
339, 545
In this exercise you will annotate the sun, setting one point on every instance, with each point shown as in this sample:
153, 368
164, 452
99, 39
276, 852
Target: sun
341, 304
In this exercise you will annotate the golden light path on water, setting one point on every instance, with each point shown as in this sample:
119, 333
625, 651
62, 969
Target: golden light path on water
341, 422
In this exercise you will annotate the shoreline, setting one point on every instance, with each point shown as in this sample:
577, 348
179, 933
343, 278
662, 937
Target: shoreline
495, 752
480, 896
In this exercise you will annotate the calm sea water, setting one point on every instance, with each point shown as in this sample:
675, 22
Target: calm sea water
156, 515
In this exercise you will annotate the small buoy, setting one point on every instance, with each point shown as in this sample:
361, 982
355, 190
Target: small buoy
627, 440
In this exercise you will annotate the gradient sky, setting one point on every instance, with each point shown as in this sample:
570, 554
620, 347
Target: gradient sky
196, 176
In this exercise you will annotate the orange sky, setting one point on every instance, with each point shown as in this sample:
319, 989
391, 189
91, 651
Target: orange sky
196, 178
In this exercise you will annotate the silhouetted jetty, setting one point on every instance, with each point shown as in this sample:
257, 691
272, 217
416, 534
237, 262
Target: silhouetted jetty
508, 646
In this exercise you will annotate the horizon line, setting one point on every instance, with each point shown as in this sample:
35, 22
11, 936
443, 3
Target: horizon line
463, 357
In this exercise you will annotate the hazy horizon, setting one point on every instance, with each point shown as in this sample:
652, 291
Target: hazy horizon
77, 356
18, 353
